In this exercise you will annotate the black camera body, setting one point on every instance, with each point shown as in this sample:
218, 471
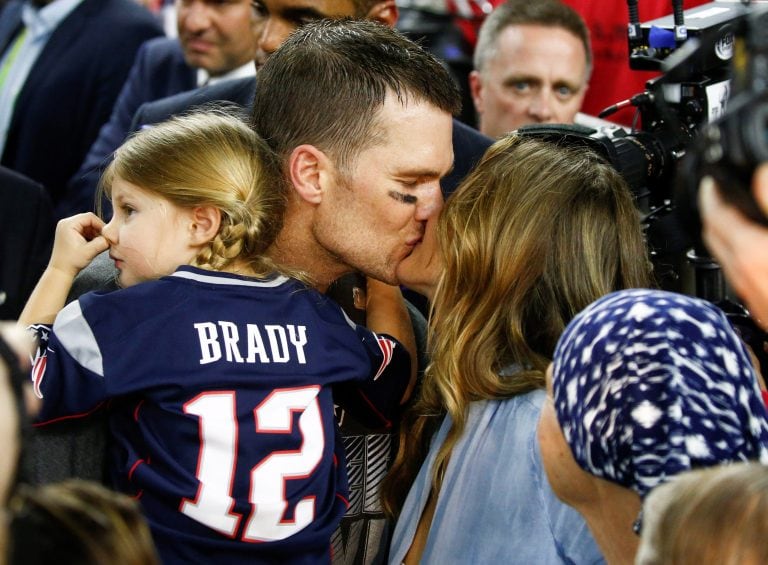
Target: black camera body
706, 115
731, 147
688, 131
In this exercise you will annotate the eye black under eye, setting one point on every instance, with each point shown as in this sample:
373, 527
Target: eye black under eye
404, 198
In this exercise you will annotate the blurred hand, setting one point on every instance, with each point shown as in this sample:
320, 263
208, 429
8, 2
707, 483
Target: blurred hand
21, 344
738, 244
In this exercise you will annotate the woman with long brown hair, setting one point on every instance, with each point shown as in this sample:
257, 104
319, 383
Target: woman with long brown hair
532, 236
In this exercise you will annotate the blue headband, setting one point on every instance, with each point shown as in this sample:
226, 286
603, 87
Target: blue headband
648, 384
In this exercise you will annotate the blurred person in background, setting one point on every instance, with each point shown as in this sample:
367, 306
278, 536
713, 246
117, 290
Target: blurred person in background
79, 522
62, 65
17, 403
26, 237
716, 515
532, 63
216, 41
739, 244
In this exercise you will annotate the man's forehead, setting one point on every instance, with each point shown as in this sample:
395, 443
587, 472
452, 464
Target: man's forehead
320, 8
523, 48
403, 121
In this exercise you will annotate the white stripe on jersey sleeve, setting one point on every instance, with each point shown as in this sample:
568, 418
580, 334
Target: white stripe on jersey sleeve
352, 324
76, 336
213, 279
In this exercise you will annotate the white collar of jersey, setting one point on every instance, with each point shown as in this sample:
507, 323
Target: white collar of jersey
215, 277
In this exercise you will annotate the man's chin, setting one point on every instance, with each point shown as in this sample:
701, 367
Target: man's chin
203, 61
388, 276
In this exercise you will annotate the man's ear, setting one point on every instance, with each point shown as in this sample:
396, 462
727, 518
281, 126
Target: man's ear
205, 224
384, 12
476, 90
308, 167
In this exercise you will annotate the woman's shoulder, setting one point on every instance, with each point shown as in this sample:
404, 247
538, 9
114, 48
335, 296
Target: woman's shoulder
522, 406
507, 429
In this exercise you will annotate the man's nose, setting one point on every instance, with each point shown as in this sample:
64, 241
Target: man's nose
430, 202
541, 105
272, 36
197, 17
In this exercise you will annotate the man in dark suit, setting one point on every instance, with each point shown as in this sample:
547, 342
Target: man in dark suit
216, 41
72, 83
26, 236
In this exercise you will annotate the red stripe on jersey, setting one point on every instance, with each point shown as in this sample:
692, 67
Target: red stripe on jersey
70, 417
344, 500
137, 409
386, 422
38, 371
387, 347
133, 468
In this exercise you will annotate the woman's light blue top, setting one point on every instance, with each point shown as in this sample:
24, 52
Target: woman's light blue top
495, 504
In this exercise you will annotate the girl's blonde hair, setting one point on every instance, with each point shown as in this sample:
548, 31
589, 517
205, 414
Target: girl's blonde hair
716, 515
77, 521
209, 158
531, 237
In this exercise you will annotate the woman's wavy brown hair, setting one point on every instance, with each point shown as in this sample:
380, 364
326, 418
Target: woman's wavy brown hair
531, 237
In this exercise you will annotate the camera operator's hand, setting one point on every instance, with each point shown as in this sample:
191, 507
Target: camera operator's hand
739, 245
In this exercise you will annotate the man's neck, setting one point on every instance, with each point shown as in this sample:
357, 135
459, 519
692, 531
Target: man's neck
296, 248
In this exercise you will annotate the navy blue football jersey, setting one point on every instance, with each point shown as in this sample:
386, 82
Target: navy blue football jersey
223, 411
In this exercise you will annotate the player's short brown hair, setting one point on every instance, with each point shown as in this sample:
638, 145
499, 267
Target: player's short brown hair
326, 84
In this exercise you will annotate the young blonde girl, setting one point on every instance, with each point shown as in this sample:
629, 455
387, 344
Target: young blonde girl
221, 373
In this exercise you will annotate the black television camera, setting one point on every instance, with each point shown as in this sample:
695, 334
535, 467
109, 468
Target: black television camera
723, 58
730, 147
709, 55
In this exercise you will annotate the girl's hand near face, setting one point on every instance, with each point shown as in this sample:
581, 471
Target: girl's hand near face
78, 240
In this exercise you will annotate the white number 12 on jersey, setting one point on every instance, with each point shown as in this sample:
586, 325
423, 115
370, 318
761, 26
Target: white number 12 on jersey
216, 463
